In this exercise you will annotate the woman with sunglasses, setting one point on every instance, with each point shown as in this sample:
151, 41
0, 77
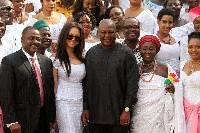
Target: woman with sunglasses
69, 70
87, 22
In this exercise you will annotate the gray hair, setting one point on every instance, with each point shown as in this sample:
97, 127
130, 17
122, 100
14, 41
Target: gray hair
131, 18
109, 22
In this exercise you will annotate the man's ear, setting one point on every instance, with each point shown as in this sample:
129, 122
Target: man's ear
22, 40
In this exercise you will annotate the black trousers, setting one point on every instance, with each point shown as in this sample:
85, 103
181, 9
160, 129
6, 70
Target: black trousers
43, 127
97, 128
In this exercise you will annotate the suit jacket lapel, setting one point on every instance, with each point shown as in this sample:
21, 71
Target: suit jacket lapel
28, 67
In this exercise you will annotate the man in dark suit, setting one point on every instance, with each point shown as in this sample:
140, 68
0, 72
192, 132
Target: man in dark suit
27, 88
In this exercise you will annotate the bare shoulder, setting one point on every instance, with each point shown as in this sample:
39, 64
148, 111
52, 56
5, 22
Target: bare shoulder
162, 70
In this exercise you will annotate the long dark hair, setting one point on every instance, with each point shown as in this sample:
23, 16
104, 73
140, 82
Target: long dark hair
62, 54
98, 11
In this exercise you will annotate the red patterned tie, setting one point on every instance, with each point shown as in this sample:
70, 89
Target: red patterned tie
39, 78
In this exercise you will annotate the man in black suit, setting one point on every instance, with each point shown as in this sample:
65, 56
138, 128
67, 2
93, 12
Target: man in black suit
27, 88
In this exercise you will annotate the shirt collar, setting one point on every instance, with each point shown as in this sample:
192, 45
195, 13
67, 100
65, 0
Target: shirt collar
28, 56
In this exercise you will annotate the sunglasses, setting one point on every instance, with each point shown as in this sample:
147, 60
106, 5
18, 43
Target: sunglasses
7, 8
76, 38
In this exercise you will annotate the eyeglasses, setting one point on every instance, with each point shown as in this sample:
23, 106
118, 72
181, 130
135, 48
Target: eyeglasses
135, 27
7, 8
70, 37
85, 22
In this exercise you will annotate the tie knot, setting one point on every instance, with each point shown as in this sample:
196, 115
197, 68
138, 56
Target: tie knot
33, 60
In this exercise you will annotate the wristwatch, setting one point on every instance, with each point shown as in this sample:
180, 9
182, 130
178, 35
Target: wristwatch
126, 109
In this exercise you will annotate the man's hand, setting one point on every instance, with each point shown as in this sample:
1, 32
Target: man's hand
15, 128
125, 118
52, 126
85, 117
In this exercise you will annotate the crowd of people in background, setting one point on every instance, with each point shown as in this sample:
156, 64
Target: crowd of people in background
99, 66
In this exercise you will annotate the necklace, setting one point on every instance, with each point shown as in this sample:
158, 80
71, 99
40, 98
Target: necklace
162, 39
193, 68
118, 36
17, 19
152, 72
49, 17
71, 58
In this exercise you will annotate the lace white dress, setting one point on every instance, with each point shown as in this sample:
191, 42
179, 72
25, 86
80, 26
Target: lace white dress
54, 28
184, 55
191, 88
88, 45
157, 111
169, 54
150, 25
69, 98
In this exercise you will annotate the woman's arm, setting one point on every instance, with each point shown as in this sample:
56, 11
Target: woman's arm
55, 75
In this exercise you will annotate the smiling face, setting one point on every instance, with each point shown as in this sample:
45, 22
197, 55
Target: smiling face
107, 34
89, 5
86, 24
175, 6
31, 41
48, 5
196, 23
45, 36
72, 42
2, 27
18, 5
117, 16
194, 48
165, 24
148, 52
131, 29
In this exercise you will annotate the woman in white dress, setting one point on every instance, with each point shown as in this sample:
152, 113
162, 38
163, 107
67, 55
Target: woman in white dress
55, 20
155, 110
69, 70
87, 22
195, 17
190, 76
144, 15
170, 51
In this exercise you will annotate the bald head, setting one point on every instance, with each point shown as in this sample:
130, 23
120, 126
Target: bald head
6, 11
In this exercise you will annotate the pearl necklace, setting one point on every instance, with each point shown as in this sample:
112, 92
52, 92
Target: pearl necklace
162, 39
46, 16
